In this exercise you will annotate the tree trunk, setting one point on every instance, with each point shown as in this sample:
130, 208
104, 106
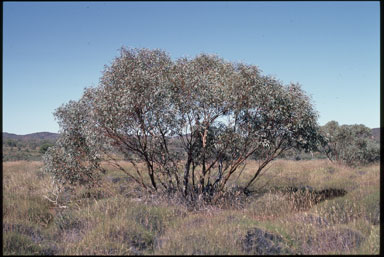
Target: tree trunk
186, 173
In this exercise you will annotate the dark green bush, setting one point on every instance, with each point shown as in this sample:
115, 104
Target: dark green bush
44, 148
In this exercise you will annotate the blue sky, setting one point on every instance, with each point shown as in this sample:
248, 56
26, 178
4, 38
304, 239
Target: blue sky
52, 51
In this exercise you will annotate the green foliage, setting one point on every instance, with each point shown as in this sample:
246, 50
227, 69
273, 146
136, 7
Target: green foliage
222, 113
45, 147
25, 149
11, 143
350, 144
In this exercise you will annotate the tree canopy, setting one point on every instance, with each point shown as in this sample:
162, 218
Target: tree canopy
186, 126
350, 144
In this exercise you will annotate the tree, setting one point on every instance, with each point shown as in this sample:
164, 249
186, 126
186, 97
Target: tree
44, 147
11, 143
218, 113
350, 144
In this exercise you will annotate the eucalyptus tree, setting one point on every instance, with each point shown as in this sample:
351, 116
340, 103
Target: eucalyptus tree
219, 113
350, 144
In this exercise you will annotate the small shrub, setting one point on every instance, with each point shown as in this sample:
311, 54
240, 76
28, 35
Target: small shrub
44, 148
261, 242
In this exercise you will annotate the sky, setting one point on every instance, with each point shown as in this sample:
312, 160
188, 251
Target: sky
53, 50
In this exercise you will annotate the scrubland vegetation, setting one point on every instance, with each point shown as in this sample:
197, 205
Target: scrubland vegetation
30, 150
284, 215
185, 157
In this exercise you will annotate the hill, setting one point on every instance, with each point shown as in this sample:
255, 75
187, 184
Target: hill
376, 134
39, 136
26, 147
49, 136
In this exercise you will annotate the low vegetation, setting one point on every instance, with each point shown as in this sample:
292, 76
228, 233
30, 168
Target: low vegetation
29, 149
281, 216
185, 157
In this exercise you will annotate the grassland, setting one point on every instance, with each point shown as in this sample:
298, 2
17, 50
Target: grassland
117, 219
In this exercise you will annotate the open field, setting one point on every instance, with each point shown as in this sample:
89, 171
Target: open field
299, 207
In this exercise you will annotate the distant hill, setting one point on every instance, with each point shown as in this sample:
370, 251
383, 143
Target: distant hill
376, 134
39, 136
48, 136
28, 147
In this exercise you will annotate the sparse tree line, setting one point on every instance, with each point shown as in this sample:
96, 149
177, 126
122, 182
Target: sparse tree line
42, 146
186, 126
351, 145
16, 149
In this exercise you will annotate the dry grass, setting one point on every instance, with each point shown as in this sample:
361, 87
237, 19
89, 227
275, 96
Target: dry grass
116, 220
